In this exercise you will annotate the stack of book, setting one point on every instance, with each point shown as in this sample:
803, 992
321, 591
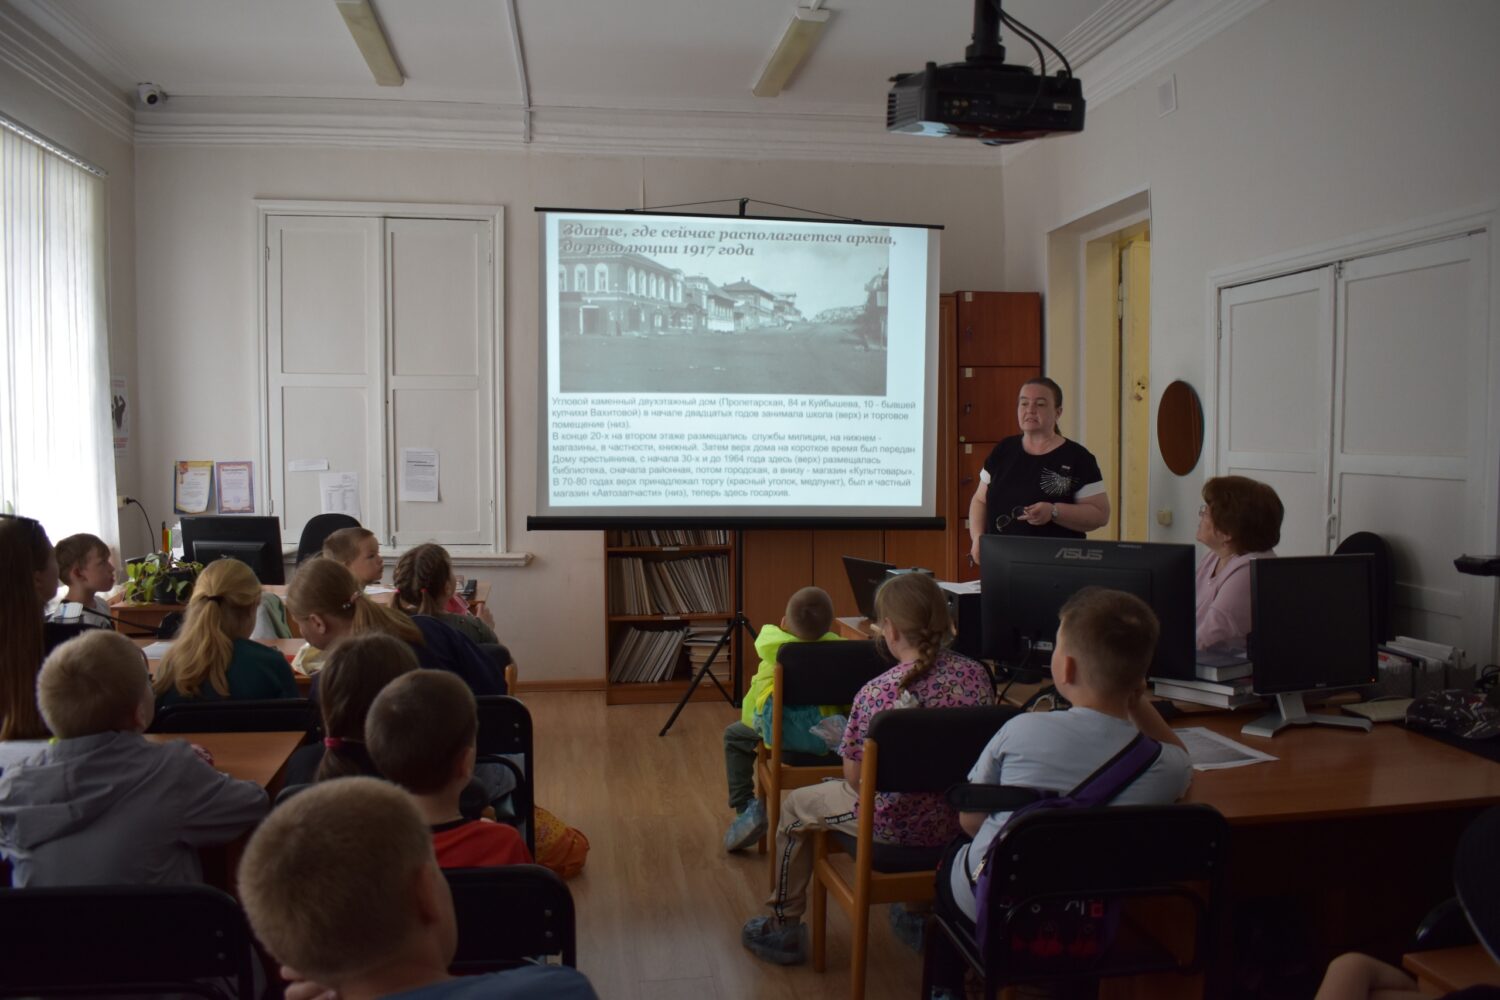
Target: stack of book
1222, 681
654, 537
647, 655
669, 586
700, 639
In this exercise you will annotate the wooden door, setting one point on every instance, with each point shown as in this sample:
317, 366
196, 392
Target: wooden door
987, 401
999, 328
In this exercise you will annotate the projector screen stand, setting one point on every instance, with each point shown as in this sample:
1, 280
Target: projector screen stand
737, 621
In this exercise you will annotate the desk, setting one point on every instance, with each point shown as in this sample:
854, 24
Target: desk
257, 757
858, 627
1447, 970
143, 618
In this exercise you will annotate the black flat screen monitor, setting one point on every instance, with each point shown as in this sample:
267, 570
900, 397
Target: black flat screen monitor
1312, 623
865, 577
1025, 581
255, 541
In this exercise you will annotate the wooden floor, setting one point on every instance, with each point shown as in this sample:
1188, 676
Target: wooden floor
660, 905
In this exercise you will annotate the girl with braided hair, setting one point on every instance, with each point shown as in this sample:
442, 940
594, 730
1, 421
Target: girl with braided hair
915, 627
425, 585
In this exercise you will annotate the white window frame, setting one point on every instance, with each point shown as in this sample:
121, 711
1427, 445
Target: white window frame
496, 554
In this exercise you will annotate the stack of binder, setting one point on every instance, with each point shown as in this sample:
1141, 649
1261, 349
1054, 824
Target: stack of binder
1223, 680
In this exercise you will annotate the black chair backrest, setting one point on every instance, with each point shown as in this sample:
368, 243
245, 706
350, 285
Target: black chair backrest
316, 531
1476, 877
828, 673
259, 715
509, 914
1367, 542
505, 731
928, 749
289, 792
124, 939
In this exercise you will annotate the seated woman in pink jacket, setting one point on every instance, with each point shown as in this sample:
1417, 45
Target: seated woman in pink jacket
1240, 520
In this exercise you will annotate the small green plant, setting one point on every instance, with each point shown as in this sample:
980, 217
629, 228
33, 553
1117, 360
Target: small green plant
160, 579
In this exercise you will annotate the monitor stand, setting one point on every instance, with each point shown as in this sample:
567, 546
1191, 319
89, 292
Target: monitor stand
1290, 711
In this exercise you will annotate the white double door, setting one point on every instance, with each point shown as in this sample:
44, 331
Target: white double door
1361, 392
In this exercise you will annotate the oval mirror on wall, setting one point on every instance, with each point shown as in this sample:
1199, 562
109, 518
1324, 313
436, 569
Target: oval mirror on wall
1179, 427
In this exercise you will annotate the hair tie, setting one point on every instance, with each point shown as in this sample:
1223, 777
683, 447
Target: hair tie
337, 743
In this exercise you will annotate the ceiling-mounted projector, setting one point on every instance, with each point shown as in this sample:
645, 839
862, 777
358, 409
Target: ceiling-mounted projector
983, 97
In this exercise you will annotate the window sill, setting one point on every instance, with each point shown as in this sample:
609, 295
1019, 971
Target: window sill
506, 560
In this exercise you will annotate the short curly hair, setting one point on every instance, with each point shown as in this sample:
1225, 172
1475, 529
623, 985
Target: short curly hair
1246, 510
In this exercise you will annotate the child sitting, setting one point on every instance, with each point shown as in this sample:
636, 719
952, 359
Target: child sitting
357, 550
328, 604
912, 614
213, 656
84, 567
103, 805
808, 615
341, 886
28, 579
425, 585
1105, 642
421, 734
357, 669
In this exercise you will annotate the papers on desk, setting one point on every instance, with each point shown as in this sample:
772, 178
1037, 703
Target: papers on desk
1211, 752
156, 650
955, 587
375, 589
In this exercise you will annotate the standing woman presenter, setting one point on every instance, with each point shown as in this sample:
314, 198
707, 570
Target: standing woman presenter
1038, 483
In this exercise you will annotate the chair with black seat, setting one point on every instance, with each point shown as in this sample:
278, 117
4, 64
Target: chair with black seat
808, 673
906, 750
509, 915
228, 715
111, 940
1136, 868
316, 531
505, 737
1369, 543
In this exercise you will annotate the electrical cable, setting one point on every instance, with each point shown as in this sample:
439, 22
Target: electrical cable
1017, 25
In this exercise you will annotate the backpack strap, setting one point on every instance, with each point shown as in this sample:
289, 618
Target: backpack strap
1116, 774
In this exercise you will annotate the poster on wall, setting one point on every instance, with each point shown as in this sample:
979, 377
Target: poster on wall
194, 482
119, 413
236, 487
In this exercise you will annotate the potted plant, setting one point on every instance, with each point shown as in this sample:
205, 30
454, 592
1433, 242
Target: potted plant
160, 579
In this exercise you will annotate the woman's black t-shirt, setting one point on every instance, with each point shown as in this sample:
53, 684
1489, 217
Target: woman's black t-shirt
1066, 474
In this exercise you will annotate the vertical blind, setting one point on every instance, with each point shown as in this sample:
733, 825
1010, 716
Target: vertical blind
56, 444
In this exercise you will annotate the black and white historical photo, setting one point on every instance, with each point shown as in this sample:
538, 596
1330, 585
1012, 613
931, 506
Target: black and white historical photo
714, 307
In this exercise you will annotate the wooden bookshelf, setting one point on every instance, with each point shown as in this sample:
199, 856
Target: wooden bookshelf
684, 581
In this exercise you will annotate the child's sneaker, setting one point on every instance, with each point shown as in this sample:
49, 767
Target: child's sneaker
782, 944
748, 827
910, 928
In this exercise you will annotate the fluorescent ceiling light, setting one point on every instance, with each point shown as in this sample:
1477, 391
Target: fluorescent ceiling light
360, 18
801, 35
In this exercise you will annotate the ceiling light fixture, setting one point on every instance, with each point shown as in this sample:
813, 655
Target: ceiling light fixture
360, 19
801, 35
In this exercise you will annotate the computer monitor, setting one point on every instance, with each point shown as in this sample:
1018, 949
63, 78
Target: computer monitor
1312, 628
255, 541
1025, 581
865, 577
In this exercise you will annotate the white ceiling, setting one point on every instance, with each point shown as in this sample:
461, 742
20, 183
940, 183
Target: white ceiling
583, 58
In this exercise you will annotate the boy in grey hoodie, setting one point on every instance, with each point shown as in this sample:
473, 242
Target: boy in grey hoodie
102, 805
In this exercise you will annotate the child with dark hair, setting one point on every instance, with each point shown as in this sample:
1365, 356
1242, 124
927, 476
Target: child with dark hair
28, 579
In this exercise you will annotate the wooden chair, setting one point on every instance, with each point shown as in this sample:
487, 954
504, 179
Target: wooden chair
808, 673
1161, 866
508, 915
112, 940
906, 750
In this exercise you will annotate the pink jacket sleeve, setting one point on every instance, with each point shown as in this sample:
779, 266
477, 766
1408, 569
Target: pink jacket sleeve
1226, 621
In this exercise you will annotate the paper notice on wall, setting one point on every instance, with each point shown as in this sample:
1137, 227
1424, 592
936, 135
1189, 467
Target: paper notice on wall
119, 413
419, 475
236, 487
193, 483
307, 465
339, 492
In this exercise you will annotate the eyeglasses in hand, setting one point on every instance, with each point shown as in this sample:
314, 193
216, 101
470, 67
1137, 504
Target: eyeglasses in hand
1004, 521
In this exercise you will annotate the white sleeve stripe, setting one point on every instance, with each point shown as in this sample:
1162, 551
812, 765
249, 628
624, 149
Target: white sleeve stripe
984, 476
1091, 490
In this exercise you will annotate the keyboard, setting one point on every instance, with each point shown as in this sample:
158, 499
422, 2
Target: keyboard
1385, 710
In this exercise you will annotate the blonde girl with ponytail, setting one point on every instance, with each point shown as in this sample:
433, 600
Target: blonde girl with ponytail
213, 656
913, 619
328, 603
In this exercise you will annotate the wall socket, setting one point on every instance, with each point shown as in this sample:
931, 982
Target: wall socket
119, 501
1164, 517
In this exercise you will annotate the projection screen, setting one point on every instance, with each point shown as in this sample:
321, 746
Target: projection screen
705, 370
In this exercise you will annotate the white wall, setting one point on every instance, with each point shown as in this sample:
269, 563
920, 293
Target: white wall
196, 249
1307, 122
40, 110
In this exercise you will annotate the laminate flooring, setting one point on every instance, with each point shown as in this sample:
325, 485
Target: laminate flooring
660, 904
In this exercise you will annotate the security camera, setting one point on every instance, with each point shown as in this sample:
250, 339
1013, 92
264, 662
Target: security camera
149, 95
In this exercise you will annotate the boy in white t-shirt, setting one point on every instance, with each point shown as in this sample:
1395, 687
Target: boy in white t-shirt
1105, 642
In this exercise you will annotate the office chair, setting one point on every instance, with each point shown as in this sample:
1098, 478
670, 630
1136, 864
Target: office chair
906, 750
508, 915
259, 715
316, 531
1149, 866
110, 940
808, 673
